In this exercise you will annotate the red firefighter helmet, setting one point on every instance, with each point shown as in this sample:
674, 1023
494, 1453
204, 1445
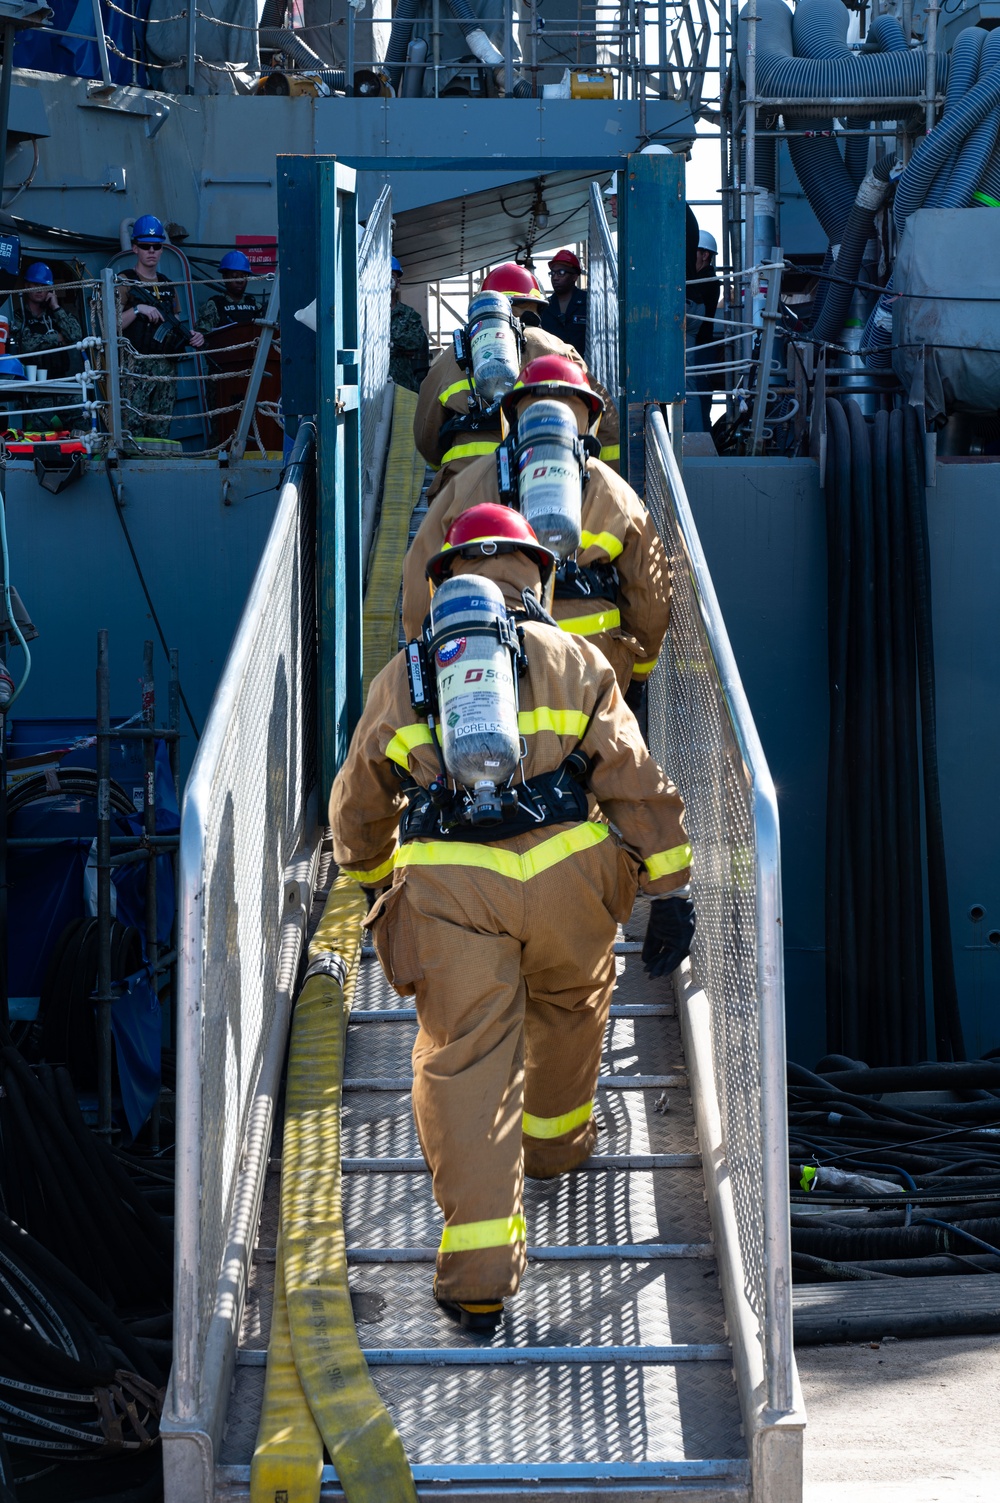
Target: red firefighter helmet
566, 258
485, 531
553, 376
516, 282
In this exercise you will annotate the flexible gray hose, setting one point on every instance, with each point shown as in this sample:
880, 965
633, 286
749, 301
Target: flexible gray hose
399, 39
273, 14
888, 76
479, 43
946, 138
279, 39
965, 60
857, 233
979, 144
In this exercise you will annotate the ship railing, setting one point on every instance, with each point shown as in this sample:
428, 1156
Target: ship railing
648, 48
731, 996
374, 312
248, 844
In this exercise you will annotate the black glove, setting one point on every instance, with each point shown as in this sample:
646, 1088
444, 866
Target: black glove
534, 610
372, 895
668, 935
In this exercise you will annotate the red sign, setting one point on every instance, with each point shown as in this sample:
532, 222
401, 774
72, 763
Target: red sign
260, 250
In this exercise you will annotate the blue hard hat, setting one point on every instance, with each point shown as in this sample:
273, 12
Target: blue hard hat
234, 261
148, 230
11, 368
39, 274
396, 266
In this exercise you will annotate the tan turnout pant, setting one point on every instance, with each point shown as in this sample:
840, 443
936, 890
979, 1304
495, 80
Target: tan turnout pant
512, 978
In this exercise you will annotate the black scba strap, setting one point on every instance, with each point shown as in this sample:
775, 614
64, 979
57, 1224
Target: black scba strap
552, 798
462, 424
586, 581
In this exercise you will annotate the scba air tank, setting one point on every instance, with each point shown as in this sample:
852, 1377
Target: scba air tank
550, 475
477, 705
492, 345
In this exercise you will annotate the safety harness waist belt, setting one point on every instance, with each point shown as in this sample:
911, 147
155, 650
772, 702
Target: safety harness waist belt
553, 798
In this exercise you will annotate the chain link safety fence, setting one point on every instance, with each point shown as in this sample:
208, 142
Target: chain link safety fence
602, 297
374, 310
243, 818
701, 729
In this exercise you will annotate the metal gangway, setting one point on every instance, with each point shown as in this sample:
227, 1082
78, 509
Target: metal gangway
649, 1353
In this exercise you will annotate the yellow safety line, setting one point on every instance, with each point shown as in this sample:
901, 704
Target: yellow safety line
404, 479
288, 1460
359, 1435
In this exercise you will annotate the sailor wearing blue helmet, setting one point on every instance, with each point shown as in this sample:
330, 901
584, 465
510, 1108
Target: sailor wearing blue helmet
235, 305
41, 333
150, 323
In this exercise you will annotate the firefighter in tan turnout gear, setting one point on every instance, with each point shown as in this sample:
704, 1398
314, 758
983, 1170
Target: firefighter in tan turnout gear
613, 581
458, 418
480, 781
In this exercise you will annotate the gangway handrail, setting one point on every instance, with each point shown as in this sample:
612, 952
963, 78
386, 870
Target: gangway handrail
247, 825
695, 598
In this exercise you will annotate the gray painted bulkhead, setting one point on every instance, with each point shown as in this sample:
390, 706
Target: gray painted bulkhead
763, 528
208, 161
71, 565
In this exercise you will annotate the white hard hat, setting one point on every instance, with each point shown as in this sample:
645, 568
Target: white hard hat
707, 242
654, 150
612, 188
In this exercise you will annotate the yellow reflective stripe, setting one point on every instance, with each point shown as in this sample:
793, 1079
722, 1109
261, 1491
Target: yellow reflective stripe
665, 863
367, 878
529, 722
642, 670
606, 540
403, 742
453, 390
554, 1127
609, 452
470, 451
519, 867
563, 722
472, 1235
589, 626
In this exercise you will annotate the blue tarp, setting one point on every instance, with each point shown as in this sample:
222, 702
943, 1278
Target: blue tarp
43, 49
137, 1026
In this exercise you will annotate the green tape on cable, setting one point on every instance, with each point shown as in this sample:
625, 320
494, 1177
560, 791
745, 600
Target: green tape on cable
984, 198
808, 1177
359, 1434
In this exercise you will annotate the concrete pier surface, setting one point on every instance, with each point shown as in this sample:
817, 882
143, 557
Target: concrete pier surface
902, 1421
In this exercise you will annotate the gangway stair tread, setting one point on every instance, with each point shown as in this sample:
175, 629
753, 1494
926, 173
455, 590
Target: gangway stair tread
611, 1377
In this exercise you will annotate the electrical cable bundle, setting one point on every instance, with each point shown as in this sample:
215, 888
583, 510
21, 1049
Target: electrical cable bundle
85, 1284
881, 676
894, 1190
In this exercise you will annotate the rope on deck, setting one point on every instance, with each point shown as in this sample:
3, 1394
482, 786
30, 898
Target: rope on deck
318, 1389
404, 478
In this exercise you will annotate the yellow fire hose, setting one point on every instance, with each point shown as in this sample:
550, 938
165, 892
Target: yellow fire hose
318, 1390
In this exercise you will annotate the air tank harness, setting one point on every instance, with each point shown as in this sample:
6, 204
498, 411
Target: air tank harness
450, 812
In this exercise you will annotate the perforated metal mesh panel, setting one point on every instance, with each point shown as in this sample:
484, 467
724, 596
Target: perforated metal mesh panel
244, 816
374, 256
693, 735
602, 297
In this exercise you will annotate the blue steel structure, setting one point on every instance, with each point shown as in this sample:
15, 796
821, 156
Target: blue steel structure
319, 257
